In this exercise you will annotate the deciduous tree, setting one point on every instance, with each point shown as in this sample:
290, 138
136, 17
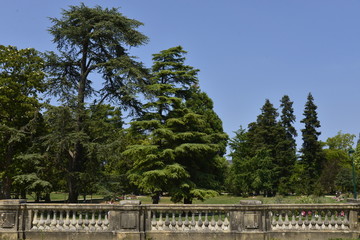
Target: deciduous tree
21, 80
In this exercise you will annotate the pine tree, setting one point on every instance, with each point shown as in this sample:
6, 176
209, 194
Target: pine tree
312, 155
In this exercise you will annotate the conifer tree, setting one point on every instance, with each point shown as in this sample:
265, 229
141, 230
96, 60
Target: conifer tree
287, 119
287, 145
312, 155
181, 144
93, 40
240, 177
264, 137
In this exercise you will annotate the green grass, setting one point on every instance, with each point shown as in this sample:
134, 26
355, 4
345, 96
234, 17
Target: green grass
58, 197
221, 199
228, 199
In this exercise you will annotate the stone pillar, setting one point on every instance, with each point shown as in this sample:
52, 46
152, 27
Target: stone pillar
353, 220
249, 220
128, 219
11, 219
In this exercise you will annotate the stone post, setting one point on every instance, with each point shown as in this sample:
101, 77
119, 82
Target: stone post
128, 219
11, 219
353, 219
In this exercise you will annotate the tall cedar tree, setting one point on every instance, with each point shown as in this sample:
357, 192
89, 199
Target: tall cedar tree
21, 80
207, 167
312, 155
287, 145
93, 40
181, 143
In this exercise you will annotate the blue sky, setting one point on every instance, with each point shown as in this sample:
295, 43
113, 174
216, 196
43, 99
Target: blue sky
247, 50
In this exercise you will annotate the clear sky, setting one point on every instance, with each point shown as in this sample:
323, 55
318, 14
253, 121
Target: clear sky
247, 50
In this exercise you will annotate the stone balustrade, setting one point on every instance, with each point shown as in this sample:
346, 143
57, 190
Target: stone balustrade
132, 220
183, 219
70, 220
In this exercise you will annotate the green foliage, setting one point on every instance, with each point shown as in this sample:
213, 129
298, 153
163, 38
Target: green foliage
286, 146
312, 156
96, 38
342, 141
181, 138
92, 40
21, 80
264, 156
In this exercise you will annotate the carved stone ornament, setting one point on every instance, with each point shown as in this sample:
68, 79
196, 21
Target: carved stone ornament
7, 220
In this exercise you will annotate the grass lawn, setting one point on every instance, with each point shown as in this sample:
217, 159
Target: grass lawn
228, 199
61, 197
221, 199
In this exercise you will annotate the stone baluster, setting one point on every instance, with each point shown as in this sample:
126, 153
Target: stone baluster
200, 222
186, 223
213, 222
92, 222
339, 221
193, 223
41, 225
306, 222
48, 220
219, 222
332, 221
272, 219
79, 223
280, 220
319, 221
99, 223
86, 222
167, 221
173, 221
106, 221
286, 221
346, 223
206, 222
35, 220
180, 222
312, 220
73, 221
53, 221
326, 220
60, 224
226, 223
160, 223
67, 221
293, 220
153, 221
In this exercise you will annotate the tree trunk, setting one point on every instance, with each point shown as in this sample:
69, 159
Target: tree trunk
6, 187
23, 194
155, 198
47, 197
73, 188
187, 200
77, 162
7, 181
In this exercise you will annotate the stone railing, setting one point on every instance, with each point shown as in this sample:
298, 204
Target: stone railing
132, 220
